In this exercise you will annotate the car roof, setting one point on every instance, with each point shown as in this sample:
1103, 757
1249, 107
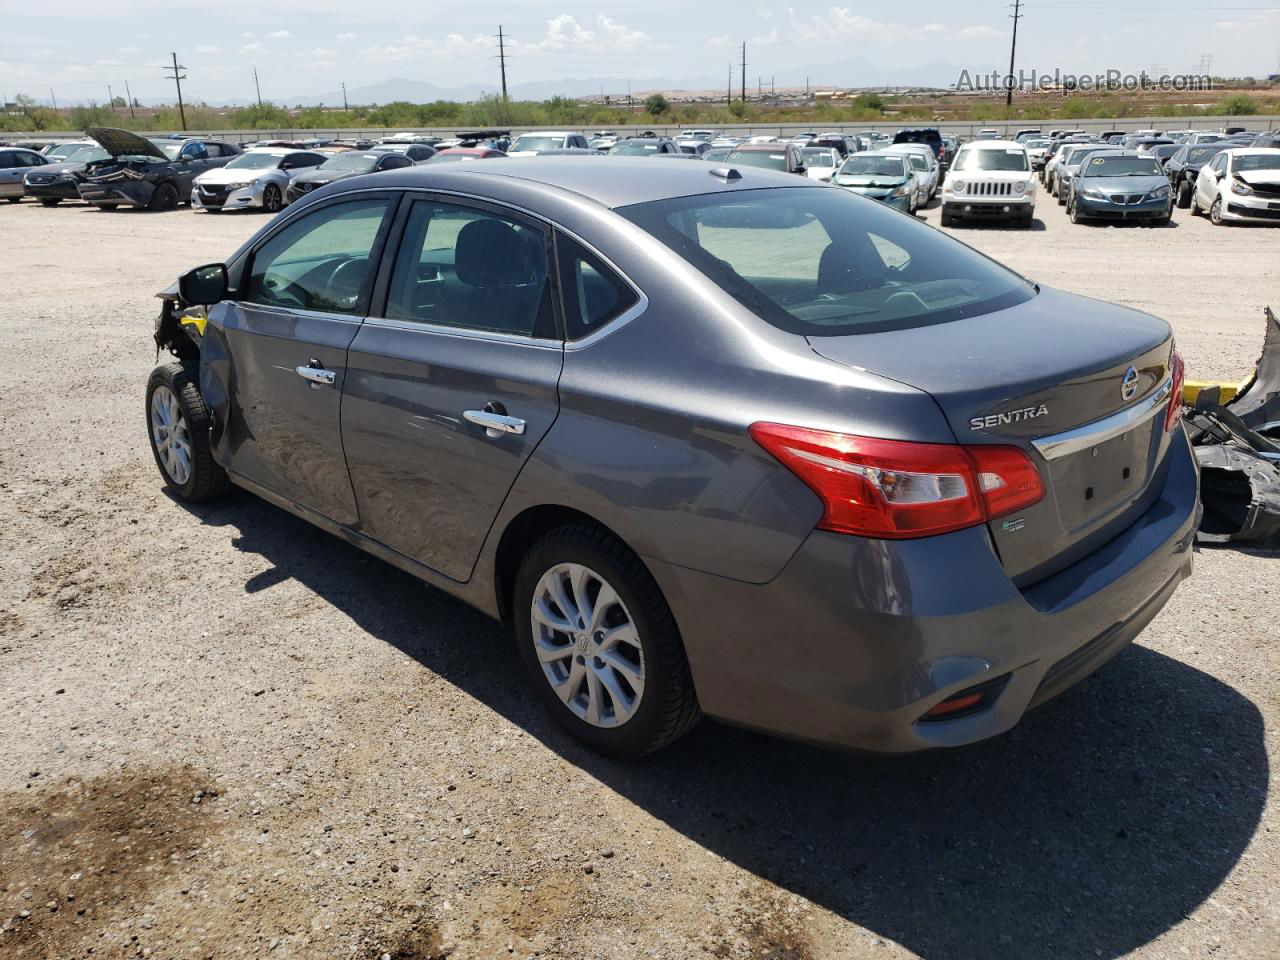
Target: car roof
546, 133
618, 183
988, 144
279, 151
1252, 151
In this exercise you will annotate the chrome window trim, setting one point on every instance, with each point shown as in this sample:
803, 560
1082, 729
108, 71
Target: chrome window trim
1100, 431
465, 333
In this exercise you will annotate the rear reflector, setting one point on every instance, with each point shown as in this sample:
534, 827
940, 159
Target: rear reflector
895, 489
1177, 371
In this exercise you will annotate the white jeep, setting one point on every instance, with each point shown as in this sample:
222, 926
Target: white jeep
990, 179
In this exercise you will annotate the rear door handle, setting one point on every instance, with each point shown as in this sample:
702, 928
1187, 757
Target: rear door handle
495, 424
316, 374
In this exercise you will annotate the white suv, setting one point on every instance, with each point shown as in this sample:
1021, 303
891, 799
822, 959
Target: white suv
990, 179
531, 144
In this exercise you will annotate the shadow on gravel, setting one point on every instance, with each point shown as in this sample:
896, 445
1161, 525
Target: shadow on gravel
1104, 819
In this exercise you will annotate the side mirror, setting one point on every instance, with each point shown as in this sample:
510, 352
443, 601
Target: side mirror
204, 286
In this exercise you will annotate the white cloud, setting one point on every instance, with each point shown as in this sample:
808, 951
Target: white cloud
619, 35
247, 35
724, 40
279, 34
984, 33
764, 39
320, 52
565, 31
209, 48
142, 36
253, 48
346, 36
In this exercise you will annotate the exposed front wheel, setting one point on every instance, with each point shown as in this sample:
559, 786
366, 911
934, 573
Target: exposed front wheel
272, 200
600, 643
178, 425
165, 197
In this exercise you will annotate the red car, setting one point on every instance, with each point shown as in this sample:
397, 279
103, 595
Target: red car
453, 154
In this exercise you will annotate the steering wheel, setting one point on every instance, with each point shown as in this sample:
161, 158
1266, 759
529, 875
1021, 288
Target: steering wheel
343, 288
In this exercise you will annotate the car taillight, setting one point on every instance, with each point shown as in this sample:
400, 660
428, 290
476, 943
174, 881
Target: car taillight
1177, 372
896, 489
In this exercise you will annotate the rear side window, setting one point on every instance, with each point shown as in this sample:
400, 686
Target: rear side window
594, 295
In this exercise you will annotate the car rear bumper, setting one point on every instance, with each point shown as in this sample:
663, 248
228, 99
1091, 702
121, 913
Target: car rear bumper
135, 192
857, 639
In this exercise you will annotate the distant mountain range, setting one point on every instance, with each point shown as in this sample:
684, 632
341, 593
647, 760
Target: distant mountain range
853, 72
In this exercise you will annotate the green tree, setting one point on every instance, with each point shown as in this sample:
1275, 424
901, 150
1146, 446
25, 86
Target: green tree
656, 104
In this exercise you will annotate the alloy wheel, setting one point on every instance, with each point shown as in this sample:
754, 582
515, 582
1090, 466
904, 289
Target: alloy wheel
271, 199
587, 645
1215, 212
169, 434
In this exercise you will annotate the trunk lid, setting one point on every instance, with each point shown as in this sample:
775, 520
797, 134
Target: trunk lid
1031, 376
124, 143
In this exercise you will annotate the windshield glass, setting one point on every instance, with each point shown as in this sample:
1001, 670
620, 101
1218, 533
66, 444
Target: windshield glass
537, 143
986, 158
820, 262
769, 159
892, 167
634, 148
452, 157
256, 161
1035, 143
1122, 167
64, 150
818, 158
86, 155
170, 148
359, 162
1258, 161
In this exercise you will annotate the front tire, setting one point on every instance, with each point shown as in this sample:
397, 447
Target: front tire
600, 643
50, 201
14, 199
178, 425
164, 198
1215, 212
272, 200
1184, 195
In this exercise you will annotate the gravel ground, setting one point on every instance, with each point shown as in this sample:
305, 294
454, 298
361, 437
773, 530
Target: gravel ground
226, 734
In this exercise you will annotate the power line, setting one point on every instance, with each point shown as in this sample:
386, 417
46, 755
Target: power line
177, 79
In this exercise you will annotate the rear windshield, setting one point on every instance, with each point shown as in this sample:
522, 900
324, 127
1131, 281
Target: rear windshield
887, 166
770, 159
634, 149
537, 143
362, 162
87, 155
989, 158
1201, 154
823, 263
1122, 167
256, 161
818, 157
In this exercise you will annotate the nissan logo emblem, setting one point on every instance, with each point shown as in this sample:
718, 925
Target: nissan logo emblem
1129, 384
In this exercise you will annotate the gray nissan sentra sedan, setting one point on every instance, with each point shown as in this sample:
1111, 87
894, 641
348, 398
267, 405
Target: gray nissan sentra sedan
714, 441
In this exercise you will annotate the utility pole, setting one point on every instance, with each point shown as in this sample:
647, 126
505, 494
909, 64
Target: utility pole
345, 108
256, 87
128, 94
502, 60
111, 99
1013, 49
177, 79
744, 71
54, 99
728, 99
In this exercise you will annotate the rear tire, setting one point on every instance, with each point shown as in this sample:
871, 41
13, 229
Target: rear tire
164, 198
947, 220
178, 425
50, 201
1184, 195
106, 206
14, 199
646, 647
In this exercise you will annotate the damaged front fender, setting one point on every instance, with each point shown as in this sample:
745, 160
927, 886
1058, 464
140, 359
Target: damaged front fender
179, 329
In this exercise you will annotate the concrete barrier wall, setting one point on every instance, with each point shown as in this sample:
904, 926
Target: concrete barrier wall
1258, 123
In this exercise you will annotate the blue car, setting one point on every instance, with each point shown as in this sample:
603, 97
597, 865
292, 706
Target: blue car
1121, 186
886, 177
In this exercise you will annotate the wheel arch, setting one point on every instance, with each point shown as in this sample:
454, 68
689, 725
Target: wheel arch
521, 533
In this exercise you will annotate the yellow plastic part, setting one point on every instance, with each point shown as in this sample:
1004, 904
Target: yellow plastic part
1191, 390
196, 320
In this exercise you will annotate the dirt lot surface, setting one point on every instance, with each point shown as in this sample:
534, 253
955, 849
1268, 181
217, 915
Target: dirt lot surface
226, 734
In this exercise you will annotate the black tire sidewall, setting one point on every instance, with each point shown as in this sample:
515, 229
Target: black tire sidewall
207, 479
573, 545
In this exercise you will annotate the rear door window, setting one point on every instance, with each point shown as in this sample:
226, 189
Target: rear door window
594, 295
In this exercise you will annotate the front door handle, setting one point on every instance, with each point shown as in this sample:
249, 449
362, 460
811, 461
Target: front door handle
495, 422
316, 374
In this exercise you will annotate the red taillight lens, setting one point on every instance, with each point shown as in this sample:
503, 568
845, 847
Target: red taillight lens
1177, 371
895, 489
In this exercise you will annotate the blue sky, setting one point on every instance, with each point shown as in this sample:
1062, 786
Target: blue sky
300, 48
